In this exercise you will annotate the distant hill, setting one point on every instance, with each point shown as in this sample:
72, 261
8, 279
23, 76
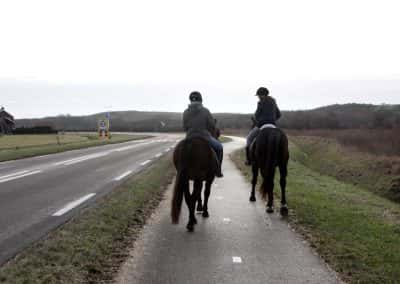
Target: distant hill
330, 117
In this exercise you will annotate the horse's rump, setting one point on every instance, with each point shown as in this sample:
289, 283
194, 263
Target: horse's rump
270, 150
196, 158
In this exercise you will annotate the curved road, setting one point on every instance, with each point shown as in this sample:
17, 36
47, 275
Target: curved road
38, 194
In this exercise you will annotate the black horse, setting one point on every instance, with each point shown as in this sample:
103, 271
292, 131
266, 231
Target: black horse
194, 160
270, 150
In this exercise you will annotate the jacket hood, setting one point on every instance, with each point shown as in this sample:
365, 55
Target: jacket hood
195, 106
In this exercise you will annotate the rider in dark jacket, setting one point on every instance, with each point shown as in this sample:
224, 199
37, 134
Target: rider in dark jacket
267, 113
198, 122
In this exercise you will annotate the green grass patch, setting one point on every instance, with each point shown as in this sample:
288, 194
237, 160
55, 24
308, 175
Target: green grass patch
354, 230
91, 247
14, 147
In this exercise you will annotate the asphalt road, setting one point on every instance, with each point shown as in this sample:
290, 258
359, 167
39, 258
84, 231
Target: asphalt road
38, 194
238, 243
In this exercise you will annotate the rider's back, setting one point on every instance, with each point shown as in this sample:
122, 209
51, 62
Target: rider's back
198, 121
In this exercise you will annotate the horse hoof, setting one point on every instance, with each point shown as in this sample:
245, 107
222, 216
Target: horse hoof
190, 227
270, 210
205, 214
284, 211
253, 199
199, 208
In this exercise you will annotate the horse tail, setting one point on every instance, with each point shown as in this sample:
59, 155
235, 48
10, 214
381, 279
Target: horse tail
181, 182
270, 158
177, 197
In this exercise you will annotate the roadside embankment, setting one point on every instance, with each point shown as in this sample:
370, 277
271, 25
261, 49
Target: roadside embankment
379, 174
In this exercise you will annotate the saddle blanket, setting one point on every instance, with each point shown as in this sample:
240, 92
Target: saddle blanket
267, 126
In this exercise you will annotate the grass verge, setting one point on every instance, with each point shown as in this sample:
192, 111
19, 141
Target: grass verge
90, 247
32, 150
354, 230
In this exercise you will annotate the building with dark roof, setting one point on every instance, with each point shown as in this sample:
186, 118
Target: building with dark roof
7, 123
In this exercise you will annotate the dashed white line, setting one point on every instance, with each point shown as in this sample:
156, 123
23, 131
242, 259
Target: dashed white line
73, 204
14, 174
123, 175
237, 259
145, 162
13, 177
158, 155
81, 159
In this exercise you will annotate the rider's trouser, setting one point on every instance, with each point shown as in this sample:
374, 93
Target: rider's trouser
217, 146
252, 135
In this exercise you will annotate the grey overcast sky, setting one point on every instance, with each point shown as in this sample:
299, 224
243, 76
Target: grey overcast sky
82, 57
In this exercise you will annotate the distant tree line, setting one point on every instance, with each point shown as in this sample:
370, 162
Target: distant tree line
347, 116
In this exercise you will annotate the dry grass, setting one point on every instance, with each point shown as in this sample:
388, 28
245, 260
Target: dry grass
374, 141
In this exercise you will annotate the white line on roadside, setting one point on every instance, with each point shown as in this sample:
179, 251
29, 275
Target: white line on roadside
73, 204
5, 178
145, 162
237, 259
158, 155
123, 175
14, 174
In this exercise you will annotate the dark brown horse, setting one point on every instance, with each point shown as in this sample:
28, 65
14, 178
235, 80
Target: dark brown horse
270, 151
194, 160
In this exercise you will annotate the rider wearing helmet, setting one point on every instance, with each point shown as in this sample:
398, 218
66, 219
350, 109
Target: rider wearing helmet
198, 122
267, 113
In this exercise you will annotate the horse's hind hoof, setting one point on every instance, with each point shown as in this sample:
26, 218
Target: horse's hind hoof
270, 210
199, 208
253, 199
284, 211
190, 227
205, 214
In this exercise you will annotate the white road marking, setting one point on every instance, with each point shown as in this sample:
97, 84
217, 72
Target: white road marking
73, 204
5, 178
123, 175
81, 159
158, 155
145, 162
237, 259
227, 220
14, 174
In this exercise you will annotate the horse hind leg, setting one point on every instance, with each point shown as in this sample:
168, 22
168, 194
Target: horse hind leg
283, 175
269, 183
254, 183
191, 202
207, 192
199, 204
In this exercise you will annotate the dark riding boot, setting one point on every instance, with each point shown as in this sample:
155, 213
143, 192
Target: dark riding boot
248, 161
219, 168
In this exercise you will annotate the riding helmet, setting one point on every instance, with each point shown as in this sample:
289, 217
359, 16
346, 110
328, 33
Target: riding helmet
262, 91
195, 97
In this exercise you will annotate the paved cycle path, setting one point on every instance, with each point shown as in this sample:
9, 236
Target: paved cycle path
238, 243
